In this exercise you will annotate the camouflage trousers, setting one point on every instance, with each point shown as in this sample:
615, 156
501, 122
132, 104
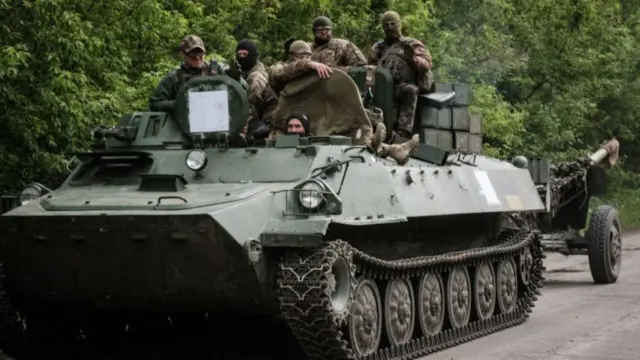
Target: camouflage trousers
406, 96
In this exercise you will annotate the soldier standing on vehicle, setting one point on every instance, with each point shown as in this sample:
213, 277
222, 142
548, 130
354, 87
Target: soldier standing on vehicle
193, 52
262, 98
409, 62
332, 51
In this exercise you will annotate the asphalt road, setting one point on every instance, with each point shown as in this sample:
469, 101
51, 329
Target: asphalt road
573, 319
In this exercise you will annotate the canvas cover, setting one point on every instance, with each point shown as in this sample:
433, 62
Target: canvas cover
333, 105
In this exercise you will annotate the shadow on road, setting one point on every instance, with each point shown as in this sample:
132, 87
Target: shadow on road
567, 283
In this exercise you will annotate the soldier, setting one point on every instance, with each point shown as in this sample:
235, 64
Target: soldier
298, 123
298, 63
260, 95
193, 52
409, 62
331, 51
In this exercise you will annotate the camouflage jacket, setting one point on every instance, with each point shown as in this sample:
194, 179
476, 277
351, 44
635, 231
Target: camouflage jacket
259, 92
281, 73
406, 58
163, 98
338, 53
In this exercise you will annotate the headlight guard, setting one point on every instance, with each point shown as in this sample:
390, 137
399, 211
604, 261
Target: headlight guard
315, 196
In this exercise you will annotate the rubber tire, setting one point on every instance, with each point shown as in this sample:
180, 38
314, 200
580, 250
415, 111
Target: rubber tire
597, 236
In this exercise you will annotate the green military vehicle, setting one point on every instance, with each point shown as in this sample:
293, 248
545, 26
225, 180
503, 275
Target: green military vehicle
361, 258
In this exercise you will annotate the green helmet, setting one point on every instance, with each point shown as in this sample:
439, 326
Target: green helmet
300, 47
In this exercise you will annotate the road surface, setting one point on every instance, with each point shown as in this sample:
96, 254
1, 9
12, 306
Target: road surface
573, 319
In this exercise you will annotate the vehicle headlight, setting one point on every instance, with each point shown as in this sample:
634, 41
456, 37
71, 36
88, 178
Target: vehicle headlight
310, 195
196, 160
29, 193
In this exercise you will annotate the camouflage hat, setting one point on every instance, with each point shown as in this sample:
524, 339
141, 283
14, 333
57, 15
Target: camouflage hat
390, 16
191, 42
300, 47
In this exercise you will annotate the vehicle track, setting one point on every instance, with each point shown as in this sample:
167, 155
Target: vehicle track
305, 287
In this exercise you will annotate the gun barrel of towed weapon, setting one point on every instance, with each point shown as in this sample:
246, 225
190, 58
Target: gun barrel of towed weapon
608, 149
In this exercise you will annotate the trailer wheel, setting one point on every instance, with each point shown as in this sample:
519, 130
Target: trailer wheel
605, 245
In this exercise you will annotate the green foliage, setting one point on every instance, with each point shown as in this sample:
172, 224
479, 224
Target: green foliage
551, 77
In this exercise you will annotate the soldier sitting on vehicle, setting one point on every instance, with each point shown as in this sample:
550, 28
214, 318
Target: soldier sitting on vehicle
409, 62
332, 51
332, 102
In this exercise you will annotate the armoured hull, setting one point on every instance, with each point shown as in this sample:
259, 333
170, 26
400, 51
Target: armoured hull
364, 256
128, 263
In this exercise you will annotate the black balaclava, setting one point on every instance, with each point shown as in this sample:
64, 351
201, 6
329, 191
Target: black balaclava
321, 21
391, 25
304, 120
246, 63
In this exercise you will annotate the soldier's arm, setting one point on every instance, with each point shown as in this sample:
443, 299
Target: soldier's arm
284, 72
163, 97
421, 56
353, 55
372, 55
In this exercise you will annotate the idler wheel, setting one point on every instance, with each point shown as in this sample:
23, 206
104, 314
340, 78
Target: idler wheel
525, 263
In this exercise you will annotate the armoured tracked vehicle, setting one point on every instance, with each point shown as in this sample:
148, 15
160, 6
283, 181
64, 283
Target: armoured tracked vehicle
361, 257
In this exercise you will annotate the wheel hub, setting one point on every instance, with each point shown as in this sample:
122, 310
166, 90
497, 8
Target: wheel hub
341, 284
488, 291
615, 245
369, 319
404, 312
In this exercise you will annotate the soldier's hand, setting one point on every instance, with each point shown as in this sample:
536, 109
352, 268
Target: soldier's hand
323, 70
234, 71
408, 53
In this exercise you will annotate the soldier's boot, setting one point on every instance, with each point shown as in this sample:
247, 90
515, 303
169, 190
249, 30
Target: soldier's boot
401, 153
379, 135
396, 138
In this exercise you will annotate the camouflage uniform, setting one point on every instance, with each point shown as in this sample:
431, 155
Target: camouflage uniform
163, 97
338, 53
409, 62
282, 72
259, 94
334, 52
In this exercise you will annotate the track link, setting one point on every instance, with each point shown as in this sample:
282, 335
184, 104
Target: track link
306, 284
